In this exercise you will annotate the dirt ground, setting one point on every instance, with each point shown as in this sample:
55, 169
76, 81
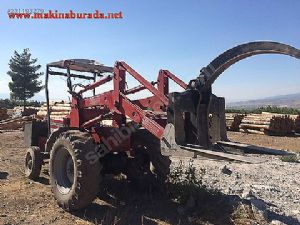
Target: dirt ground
26, 202
291, 143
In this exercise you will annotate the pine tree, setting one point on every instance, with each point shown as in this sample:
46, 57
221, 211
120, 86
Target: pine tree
24, 76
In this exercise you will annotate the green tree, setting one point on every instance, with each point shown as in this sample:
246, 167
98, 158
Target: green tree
24, 76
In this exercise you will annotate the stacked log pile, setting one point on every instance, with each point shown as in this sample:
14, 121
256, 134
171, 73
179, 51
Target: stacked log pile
10, 112
19, 111
30, 111
58, 110
267, 123
233, 121
3, 114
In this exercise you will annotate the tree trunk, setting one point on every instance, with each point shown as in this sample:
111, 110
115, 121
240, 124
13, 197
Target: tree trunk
24, 104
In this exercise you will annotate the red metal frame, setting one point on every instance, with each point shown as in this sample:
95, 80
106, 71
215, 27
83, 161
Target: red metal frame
115, 105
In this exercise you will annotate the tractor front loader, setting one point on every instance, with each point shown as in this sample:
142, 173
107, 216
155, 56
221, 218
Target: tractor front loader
111, 133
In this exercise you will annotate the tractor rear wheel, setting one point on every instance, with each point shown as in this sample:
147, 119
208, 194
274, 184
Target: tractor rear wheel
33, 162
74, 179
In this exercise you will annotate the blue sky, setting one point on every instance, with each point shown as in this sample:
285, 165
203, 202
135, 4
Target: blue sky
181, 36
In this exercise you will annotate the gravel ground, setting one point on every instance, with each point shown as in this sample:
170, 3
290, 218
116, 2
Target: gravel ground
273, 187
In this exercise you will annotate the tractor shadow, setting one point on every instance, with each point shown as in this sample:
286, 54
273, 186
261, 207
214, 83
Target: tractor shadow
122, 203
43, 180
3, 175
44, 177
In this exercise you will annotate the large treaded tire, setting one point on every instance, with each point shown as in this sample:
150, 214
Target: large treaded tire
33, 162
78, 190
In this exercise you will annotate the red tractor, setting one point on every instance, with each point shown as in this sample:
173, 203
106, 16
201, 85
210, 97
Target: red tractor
143, 133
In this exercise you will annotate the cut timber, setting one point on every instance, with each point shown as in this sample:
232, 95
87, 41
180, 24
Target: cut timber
58, 117
249, 131
44, 113
58, 110
55, 109
257, 122
14, 124
267, 123
24, 118
252, 149
254, 126
278, 114
6, 131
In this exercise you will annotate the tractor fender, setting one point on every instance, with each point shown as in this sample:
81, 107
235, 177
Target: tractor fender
54, 135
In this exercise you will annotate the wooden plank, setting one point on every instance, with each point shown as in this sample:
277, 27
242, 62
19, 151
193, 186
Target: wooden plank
258, 122
250, 131
254, 126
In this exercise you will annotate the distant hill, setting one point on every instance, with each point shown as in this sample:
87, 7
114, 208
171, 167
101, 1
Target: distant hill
291, 101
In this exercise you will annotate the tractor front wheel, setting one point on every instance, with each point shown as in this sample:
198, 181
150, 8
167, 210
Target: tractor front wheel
33, 162
74, 179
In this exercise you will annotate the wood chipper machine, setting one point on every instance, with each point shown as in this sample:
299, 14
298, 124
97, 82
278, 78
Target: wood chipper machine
112, 133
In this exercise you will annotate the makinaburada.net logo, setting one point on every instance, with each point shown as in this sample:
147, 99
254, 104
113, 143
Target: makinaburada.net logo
55, 14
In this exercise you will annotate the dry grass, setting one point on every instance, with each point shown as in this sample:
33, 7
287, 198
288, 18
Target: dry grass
284, 143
